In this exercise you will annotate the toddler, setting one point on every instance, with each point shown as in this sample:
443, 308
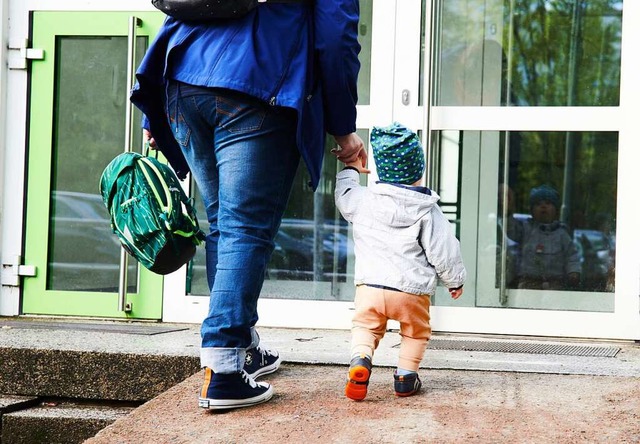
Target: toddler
403, 245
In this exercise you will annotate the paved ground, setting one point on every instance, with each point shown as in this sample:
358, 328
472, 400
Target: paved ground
499, 395
455, 406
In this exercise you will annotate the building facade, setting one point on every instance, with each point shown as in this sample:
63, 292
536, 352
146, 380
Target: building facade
526, 103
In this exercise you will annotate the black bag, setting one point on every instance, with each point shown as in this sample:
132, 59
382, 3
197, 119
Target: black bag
203, 10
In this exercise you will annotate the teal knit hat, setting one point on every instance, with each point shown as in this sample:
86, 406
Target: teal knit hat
544, 192
398, 154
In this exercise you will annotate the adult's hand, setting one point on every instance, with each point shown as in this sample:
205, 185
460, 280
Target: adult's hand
147, 137
351, 148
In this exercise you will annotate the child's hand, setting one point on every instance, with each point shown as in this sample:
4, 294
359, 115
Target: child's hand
455, 292
359, 165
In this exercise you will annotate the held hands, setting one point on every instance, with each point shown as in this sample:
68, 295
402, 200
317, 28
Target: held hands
455, 292
351, 152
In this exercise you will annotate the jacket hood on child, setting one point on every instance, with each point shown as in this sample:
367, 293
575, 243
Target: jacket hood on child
402, 238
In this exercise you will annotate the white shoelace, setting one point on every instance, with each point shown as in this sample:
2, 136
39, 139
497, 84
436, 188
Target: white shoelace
252, 382
264, 352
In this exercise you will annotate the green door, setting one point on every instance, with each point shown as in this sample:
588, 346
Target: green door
78, 108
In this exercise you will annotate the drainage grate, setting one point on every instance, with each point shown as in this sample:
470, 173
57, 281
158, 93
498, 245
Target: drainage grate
539, 348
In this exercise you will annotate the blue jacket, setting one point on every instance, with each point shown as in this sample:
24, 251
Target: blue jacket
292, 55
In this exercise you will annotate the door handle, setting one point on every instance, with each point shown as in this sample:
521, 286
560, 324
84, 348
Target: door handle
134, 23
406, 97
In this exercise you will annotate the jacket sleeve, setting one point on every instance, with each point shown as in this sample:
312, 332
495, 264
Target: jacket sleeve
443, 249
337, 48
573, 256
348, 193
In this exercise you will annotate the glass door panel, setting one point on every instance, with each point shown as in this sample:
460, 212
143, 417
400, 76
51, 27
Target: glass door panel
551, 248
83, 254
78, 100
524, 53
558, 241
313, 248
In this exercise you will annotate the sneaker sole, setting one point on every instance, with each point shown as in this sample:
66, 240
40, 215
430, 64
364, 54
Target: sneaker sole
267, 370
358, 383
404, 395
222, 404
411, 393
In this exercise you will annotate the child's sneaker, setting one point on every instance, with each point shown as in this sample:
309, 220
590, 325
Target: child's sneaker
259, 362
359, 373
232, 390
406, 385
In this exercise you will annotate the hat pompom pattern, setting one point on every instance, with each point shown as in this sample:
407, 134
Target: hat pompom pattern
398, 154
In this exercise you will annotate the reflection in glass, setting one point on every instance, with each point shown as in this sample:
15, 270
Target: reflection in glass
365, 32
313, 244
528, 53
561, 209
551, 245
90, 99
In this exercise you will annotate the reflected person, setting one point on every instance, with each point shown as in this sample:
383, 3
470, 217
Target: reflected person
549, 260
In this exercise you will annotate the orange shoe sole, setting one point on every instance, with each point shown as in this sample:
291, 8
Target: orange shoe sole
358, 383
404, 395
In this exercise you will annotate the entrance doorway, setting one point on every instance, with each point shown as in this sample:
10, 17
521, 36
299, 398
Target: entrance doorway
78, 97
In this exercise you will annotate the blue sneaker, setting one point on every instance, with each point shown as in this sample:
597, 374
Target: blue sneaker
232, 390
259, 362
406, 385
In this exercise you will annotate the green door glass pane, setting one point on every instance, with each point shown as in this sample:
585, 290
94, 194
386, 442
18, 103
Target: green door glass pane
89, 110
528, 53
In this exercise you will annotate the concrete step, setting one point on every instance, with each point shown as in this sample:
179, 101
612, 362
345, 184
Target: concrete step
54, 422
91, 375
9, 403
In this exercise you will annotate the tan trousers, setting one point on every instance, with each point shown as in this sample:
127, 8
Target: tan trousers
375, 306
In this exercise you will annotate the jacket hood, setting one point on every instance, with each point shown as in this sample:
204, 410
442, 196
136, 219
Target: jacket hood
402, 206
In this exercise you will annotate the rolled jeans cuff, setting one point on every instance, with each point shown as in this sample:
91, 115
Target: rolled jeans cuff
223, 360
227, 360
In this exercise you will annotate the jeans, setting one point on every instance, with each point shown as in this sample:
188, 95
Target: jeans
243, 156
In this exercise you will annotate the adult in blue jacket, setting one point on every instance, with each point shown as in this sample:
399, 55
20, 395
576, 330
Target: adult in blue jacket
237, 102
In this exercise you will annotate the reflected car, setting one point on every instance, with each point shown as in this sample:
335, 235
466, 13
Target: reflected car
297, 251
294, 252
84, 254
597, 258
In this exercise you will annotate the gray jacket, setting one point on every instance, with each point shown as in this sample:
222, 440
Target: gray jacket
547, 250
402, 239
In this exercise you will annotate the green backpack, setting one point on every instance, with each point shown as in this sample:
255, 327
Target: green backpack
150, 213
